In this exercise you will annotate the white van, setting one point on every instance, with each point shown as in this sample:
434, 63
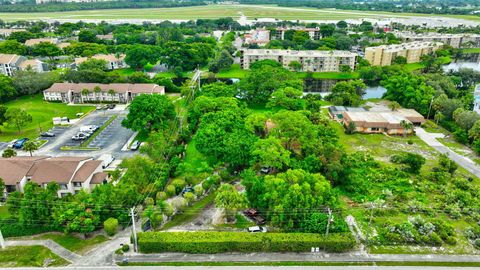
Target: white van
106, 159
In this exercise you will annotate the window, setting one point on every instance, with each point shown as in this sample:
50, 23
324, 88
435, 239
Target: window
63, 186
374, 129
77, 184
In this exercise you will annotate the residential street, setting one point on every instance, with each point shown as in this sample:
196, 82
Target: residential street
253, 267
431, 140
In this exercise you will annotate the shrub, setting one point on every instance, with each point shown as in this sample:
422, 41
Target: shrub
220, 242
10, 229
125, 248
179, 184
110, 226
170, 190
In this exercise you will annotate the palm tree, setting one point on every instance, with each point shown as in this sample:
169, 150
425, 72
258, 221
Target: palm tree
394, 106
406, 125
97, 90
111, 92
30, 146
85, 92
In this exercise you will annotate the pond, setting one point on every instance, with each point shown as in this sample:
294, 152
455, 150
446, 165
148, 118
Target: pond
374, 92
455, 66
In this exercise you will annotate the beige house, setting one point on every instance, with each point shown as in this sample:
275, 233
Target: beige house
389, 122
9, 63
86, 92
5, 32
113, 62
72, 174
313, 33
384, 55
315, 61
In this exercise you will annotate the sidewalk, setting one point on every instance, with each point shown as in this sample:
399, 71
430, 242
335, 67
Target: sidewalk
53, 246
431, 140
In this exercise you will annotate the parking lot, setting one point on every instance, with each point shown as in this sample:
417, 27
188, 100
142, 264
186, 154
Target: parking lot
109, 141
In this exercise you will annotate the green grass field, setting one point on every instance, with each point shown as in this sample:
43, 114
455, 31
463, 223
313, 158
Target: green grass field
217, 11
42, 113
31, 256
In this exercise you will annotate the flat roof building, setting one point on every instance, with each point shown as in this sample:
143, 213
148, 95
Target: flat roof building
113, 62
384, 55
258, 36
314, 61
454, 40
313, 33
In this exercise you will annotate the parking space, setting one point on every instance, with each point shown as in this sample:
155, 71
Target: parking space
112, 133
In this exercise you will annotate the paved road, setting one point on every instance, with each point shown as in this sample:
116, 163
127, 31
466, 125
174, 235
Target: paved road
53, 246
431, 140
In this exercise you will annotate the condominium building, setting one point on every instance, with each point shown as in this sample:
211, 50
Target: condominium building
454, 40
72, 174
315, 61
96, 92
113, 62
313, 33
9, 63
384, 55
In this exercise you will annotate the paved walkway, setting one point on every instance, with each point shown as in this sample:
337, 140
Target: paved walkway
53, 246
431, 140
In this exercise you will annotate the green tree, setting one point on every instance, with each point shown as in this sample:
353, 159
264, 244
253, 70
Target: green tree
110, 226
394, 106
189, 197
87, 36
400, 60
46, 49
2, 187
342, 24
270, 153
29, 82
93, 64
223, 61
295, 65
344, 43
406, 126
230, 200
414, 162
327, 30
13, 47
149, 113
438, 117
30, 146
20, 36
18, 117
139, 56
154, 214
288, 98
3, 118
6, 88
9, 152
347, 93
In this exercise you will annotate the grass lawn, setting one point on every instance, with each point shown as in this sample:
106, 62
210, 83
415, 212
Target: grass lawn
74, 243
123, 71
241, 223
42, 113
193, 156
190, 213
471, 50
218, 11
4, 212
29, 256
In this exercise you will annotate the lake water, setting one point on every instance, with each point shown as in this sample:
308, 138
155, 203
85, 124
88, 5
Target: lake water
455, 66
374, 92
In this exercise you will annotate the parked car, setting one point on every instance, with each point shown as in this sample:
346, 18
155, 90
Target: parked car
187, 189
265, 170
106, 159
257, 229
79, 114
47, 134
19, 143
10, 144
135, 145
100, 107
111, 106
80, 136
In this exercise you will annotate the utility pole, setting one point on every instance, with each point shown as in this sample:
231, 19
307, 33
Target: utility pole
372, 208
2, 241
429, 108
132, 213
330, 219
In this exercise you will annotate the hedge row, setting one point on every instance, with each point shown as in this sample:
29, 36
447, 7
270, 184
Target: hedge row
16, 230
219, 242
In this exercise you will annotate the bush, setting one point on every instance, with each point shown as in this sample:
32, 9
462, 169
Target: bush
110, 226
10, 229
125, 248
220, 242
170, 190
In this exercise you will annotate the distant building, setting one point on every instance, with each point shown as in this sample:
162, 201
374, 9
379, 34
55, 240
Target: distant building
69, 1
10, 63
5, 32
454, 40
105, 37
384, 55
313, 33
315, 61
35, 41
72, 174
112, 61
115, 92
476, 96
388, 122
258, 36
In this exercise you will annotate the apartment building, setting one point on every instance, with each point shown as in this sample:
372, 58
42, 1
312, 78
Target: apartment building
9, 63
384, 55
95, 92
72, 174
314, 61
113, 62
279, 33
454, 40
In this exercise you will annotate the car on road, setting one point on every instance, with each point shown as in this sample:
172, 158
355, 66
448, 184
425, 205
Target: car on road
19, 143
254, 216
111, 106
80, 136
135, 145
106, 159
257, 229
47, 134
